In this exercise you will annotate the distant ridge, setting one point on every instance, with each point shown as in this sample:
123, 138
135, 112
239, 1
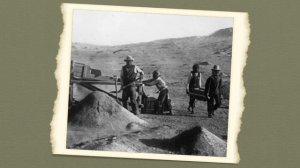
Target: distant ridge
227, 32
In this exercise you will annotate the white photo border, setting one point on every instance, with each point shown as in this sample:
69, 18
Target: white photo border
240, 43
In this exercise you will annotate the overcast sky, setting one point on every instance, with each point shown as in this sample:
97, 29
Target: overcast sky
116, 28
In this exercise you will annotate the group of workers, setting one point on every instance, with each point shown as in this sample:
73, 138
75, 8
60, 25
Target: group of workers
212, 91
131, 74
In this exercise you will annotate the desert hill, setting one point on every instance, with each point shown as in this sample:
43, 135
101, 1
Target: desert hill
223, 33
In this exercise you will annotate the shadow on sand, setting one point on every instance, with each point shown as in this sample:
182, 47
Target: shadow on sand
183, 143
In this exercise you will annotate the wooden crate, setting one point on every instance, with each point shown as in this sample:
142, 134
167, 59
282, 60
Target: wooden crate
80, 70
77, 70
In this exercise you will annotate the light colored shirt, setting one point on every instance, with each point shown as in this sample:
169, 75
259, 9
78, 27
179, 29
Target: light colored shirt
159, 83
136, 70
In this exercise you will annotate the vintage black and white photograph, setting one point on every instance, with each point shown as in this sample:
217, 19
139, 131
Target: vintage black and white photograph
155, 85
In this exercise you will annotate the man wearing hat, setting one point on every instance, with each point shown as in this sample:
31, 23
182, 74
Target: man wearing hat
130, 73
213, 90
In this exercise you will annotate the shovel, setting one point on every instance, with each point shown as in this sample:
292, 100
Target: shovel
125, 86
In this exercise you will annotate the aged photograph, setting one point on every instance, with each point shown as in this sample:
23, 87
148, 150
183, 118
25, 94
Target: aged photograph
149, 83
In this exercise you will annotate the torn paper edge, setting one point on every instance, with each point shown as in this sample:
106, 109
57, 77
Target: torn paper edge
240, 43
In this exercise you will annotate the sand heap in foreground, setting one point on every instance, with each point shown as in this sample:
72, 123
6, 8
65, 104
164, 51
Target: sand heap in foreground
194, 141
199, 141
209, 144
98, 110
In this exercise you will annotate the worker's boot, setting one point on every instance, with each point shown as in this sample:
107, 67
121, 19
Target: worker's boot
159, 109
191, 109
171, 112
209, 114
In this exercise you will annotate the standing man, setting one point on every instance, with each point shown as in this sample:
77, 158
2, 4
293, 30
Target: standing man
193, 85
213, 91
163, 92
129, 75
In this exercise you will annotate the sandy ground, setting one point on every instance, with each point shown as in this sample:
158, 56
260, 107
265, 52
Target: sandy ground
150, 139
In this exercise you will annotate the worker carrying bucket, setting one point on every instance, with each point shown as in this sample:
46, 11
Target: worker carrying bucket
130, 74
193, 87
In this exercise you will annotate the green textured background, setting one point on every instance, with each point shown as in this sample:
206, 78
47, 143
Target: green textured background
29, 36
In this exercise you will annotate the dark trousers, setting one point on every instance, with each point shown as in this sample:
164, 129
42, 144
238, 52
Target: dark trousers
162, 100
192, 98
130, 92
213, 104
192, 101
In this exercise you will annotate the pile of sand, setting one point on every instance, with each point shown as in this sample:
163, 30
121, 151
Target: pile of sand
98, 110
211, 145
194, 141
199, 141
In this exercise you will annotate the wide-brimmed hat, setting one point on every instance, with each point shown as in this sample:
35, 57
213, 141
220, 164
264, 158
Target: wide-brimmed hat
129, 58
216, 68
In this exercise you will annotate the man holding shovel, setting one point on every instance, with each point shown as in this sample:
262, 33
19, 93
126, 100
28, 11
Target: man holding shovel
128, 78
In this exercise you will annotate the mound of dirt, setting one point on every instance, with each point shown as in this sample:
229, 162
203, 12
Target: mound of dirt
195, 141
98, 110
210, 145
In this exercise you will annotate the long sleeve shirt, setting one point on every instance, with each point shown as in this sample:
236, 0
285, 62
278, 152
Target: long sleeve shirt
159, 83
213, 86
